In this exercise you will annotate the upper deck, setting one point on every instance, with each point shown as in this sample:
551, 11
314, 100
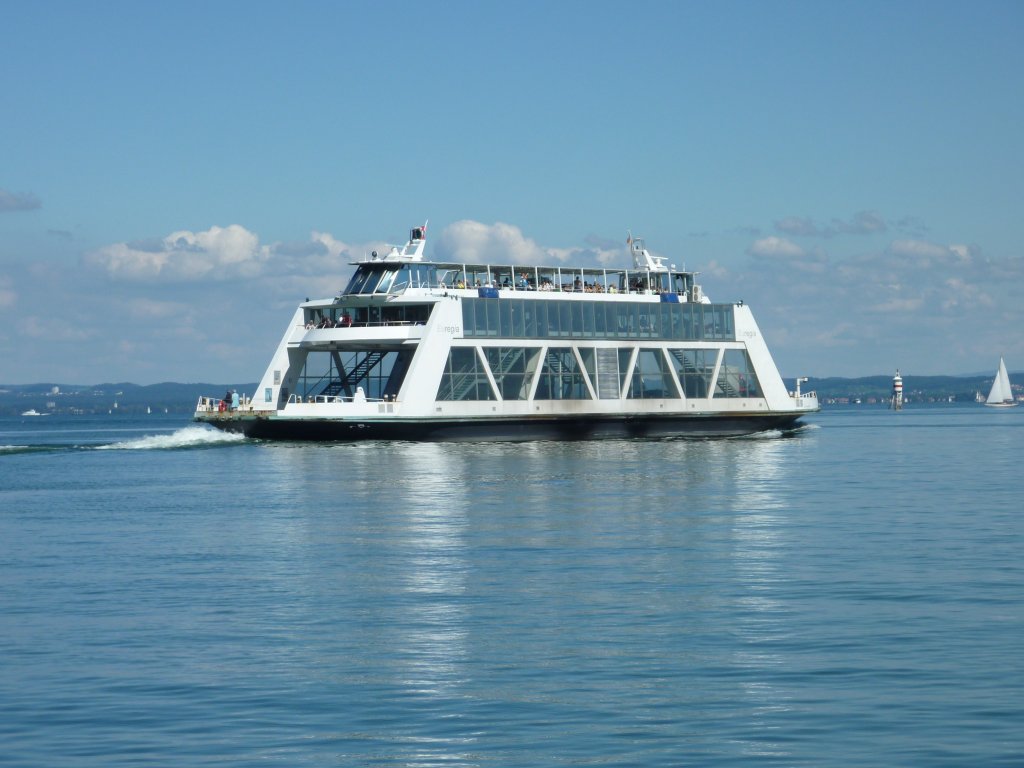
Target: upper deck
404, 270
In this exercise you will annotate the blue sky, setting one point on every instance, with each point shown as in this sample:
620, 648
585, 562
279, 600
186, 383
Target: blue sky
175, 177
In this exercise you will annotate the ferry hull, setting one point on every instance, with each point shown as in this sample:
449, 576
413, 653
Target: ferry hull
584, 428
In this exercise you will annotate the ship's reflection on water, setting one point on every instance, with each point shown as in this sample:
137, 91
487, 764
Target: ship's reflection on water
502, 591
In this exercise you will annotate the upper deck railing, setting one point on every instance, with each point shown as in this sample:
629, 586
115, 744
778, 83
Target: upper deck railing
392, 278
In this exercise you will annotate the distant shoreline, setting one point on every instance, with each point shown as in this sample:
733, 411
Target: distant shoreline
175, 397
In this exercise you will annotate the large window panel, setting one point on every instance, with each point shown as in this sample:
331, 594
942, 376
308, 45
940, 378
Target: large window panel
736, 378
493, 318
469, 319
511, 371
625, 358
331, 374
565, 318
561, 377
481, 316
505, 318
589, 363
540, 319
577, 318
694, 367
588, 319
651, 377
626, 320
464, 377
530, 319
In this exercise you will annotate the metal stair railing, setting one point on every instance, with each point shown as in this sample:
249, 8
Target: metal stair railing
357, 374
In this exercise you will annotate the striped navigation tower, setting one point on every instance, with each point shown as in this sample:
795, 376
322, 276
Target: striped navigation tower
896, 403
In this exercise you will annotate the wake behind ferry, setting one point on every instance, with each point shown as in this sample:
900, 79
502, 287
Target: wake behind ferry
426, 350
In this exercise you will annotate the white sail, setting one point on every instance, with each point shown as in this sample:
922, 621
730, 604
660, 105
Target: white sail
1000, 392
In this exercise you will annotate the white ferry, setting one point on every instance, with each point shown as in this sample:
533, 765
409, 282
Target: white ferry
425, 350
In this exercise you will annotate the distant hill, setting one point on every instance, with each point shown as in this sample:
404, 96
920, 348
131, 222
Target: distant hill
48, 397
181, 398
915, 388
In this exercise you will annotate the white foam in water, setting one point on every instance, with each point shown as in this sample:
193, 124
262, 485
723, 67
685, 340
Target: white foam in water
768, 434
773, 434
187, 437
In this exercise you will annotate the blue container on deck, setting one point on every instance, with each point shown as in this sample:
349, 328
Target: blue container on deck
670, 298
487, 293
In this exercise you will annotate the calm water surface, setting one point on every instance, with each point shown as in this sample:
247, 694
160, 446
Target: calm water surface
852, 595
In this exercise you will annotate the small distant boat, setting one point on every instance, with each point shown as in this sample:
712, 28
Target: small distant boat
1000, 396
33, 412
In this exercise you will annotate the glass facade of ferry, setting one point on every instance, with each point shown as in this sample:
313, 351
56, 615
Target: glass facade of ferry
549, 349
555, 319
582, 371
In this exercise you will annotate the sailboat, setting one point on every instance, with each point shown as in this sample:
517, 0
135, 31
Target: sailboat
1000, 396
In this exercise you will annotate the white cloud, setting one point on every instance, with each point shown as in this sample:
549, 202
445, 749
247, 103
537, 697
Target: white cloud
861, 223
472, 241
918, 249
323, 254
964, 252
335, 248
842, 334
604, 257
7, 295
775, 247
53, 328
716, 270
797, 226
228, 245
898, 305
321, 264
910, 302
149, 309
18, 201
960, 293
219, 253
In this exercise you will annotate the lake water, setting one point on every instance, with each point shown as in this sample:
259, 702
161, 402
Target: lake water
851, 595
